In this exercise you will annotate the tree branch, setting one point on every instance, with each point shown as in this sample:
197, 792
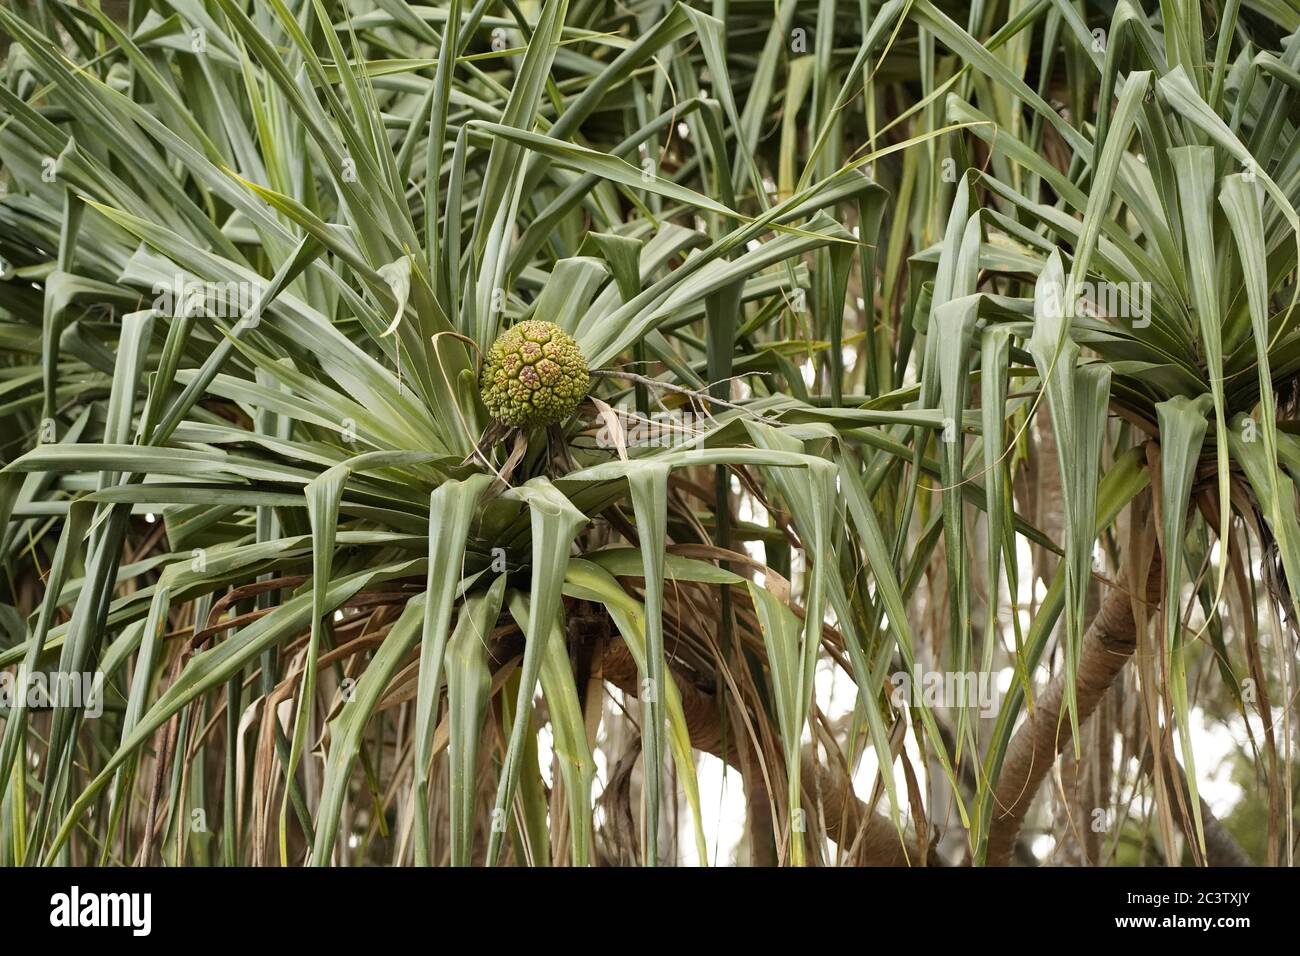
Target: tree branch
845, 814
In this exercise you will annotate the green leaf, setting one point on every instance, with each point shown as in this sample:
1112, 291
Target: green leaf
555, 523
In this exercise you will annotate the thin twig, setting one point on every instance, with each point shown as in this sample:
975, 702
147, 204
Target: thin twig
667, 386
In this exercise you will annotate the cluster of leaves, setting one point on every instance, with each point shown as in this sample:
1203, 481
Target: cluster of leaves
253, 253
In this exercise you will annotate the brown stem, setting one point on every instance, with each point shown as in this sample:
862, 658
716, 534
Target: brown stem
1107, 647
1221, 849
844, 813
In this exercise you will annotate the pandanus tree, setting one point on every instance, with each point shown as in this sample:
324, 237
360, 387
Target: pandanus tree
442, 425
1171, 310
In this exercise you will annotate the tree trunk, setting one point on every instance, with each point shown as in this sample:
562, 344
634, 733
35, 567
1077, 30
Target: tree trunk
1107, 646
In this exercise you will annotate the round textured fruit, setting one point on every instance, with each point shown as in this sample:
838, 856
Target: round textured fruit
535, 375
